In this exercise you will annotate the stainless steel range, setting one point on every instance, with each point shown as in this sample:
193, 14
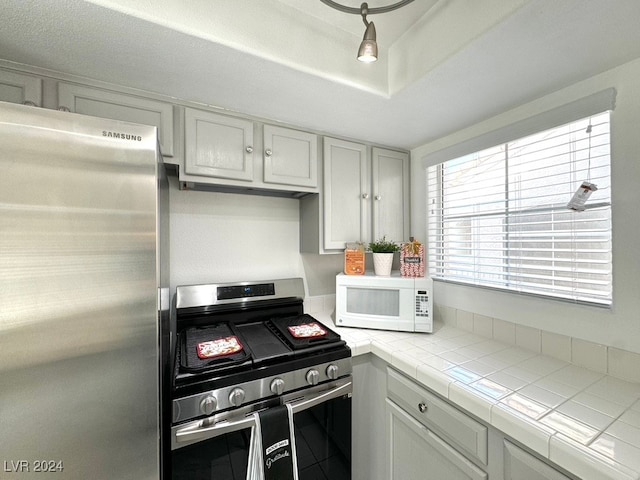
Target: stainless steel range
248, 347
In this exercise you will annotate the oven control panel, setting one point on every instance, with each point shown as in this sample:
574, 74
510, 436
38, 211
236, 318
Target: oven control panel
212, 295
211, 402
246, 291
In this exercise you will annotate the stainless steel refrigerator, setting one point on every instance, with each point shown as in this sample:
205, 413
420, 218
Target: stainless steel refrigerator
83, 296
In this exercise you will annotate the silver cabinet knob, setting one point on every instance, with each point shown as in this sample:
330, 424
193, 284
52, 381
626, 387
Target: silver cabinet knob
268, 152
378, 197
365, 195
277, 386
236, 397
332, 371
249, 149
208, 405
313, 376
422, 407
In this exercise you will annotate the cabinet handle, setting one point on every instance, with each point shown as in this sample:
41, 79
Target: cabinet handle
268, 152
29, 103
378, 197
249, 149
365, 195
62, 108
422, 407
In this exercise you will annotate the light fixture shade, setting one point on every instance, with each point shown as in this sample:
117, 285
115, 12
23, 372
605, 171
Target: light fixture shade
368, 51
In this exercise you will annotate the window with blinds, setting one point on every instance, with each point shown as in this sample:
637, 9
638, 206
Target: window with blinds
499, 217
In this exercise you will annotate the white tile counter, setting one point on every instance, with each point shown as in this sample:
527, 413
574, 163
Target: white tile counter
584, 421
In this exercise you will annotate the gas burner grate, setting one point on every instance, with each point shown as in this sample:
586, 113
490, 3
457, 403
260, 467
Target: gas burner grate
282, 324
192, 337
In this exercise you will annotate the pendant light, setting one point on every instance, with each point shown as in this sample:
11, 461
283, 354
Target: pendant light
368, 51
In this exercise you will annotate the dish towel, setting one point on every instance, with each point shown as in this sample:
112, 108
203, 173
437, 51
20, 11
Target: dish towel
272, 450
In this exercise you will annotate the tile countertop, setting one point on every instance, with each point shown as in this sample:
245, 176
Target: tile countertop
583, 421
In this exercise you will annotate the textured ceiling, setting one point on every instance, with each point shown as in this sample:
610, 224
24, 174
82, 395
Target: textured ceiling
444, 64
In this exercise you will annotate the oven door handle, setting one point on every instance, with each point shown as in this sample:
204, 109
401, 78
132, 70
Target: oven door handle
306, 403
195, 433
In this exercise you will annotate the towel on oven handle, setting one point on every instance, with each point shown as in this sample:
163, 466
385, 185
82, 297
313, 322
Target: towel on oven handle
272, 452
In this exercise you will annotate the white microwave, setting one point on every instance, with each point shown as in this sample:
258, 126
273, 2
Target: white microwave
385, 303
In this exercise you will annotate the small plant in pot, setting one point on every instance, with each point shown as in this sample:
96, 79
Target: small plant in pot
383, 251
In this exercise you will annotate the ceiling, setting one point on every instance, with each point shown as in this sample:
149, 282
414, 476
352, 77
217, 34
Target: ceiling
444, 64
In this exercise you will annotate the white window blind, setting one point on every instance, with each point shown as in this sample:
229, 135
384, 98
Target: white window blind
499, 217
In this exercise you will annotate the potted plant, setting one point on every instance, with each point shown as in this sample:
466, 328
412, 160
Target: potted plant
383, 251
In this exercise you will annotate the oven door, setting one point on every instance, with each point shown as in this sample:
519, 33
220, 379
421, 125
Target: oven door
218, 447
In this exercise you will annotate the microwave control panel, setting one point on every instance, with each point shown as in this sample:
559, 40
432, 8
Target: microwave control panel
422, 304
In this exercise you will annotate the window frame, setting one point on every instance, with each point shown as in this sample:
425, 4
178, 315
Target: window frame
575, 111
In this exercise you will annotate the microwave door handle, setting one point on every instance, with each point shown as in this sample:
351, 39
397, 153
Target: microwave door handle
194, 433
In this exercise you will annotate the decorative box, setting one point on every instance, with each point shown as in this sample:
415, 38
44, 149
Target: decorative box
412, 259
354, 259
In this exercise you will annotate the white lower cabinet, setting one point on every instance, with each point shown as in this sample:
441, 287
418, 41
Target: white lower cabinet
424, 436
520, 465
460, 430
369, 432
416, 453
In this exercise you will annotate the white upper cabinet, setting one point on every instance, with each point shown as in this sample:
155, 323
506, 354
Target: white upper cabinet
222, 153
290, 157
390, 194
346, 193
121, 106
218, 146
20, 88
365, 196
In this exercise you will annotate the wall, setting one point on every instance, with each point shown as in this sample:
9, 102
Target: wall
225, 237
618, 327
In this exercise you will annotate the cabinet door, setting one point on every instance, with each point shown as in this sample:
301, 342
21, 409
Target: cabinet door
19, 88
346, 193
521, 465
218, 146
120, 106
290, 157
416, 453
390, 175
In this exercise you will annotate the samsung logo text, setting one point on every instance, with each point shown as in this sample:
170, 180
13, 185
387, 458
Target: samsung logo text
122, 136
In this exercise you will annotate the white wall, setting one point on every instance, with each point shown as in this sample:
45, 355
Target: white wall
618, 327
224, 237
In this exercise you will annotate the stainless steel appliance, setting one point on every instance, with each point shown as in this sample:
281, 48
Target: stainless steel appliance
83, 295
271, 353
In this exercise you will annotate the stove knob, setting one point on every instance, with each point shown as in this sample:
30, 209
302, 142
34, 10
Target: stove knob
277, 386
208, 405
332, 371
313, 376
236, 397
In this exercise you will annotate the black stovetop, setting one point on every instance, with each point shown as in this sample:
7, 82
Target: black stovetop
268, 348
